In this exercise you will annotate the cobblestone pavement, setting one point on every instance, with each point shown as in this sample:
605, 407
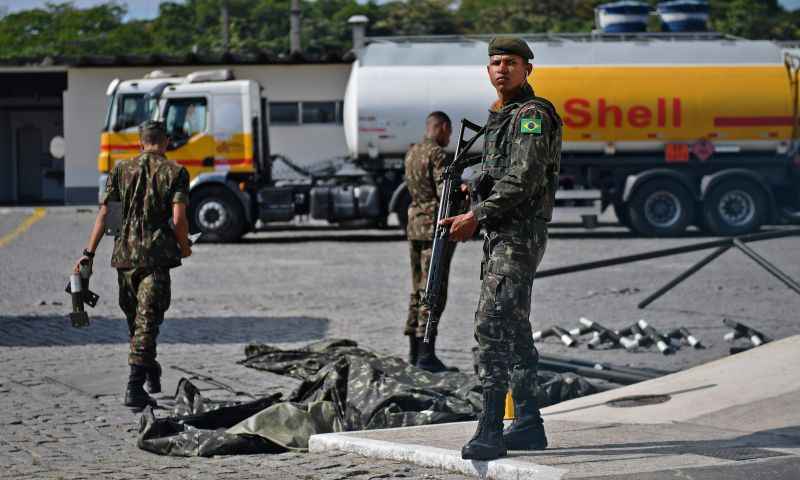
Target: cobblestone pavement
61, 388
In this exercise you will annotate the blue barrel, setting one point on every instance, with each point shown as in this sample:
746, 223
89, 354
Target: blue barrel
684, 15
622, 17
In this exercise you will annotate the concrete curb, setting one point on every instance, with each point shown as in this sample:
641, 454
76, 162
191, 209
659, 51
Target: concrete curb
505, 469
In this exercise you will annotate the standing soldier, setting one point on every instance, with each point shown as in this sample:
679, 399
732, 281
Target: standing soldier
519, 168
152, 191
425, 163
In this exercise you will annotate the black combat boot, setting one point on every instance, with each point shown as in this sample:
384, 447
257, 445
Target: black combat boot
427, 357
413, 349
135, 396
487, 443
154, 378
527, 430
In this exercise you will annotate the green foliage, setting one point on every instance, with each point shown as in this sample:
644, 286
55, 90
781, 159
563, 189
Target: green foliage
417, 17
263, 25
521, 16
754, 19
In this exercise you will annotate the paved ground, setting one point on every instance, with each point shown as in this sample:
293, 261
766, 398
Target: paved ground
60, 388
698, 424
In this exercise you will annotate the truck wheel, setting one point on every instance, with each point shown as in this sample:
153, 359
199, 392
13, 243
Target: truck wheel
734, 207
661, 208
217, 213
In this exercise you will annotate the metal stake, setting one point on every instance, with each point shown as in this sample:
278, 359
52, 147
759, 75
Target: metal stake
683, 276
775, 271
755, 237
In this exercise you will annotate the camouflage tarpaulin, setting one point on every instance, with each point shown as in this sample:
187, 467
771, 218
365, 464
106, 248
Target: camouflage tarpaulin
204, 428
343, 387
197, 427
383, 392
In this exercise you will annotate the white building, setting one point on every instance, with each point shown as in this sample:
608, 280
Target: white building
50, 99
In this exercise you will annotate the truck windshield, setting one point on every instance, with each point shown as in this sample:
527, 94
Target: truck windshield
184, 118
129, 110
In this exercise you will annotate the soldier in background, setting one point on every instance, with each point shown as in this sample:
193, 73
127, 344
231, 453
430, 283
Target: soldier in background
152, 191
519, 172
425, 163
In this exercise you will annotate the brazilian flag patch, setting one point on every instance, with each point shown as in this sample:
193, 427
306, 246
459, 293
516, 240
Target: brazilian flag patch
531, 124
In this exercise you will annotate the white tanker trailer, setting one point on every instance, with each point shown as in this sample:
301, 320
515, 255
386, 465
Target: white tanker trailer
672, 130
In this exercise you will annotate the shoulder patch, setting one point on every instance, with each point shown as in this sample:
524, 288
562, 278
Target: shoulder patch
531, 124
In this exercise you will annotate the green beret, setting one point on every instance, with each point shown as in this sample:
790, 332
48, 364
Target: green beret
152, 126
510, 46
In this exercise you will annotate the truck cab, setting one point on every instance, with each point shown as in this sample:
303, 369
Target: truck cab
128, 106
216, 126
218, 130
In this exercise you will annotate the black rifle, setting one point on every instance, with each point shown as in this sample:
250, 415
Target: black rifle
441, 237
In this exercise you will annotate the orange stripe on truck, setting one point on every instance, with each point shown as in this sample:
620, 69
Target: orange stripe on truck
108, 148
198, 162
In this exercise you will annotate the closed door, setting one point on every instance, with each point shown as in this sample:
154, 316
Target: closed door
29, 168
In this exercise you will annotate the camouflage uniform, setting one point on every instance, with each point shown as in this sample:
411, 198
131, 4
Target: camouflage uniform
520, 168
424, 164
146, 248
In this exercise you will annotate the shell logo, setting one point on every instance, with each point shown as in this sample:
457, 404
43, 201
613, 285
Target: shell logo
582, 112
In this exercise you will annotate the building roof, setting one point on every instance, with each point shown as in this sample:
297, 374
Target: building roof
157, 60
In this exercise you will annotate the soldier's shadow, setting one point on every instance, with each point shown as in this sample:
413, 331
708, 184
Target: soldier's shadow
35, 331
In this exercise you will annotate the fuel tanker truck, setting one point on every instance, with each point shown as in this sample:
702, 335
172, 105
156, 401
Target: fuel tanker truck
668, 130
671, 130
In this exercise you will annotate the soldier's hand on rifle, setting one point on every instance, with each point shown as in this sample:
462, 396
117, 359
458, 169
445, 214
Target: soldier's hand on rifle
462, 227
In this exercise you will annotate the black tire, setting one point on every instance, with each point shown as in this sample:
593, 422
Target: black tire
621, 211
661, 208
735, 207
218, 214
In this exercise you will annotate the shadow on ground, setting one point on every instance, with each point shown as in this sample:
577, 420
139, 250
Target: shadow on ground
289, 237
31, 331
746, 447
742, 458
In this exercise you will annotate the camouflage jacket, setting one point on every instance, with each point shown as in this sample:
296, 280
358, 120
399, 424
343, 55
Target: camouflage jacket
521, 161
425, 164
146, 187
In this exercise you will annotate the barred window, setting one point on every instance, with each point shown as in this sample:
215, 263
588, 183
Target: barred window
302, 113
286, 113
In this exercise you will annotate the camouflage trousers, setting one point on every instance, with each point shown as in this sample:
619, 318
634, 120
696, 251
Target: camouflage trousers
144, 296
420, 252
506, 354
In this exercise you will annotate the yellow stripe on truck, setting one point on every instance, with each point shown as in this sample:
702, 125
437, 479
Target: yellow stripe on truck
668, 103
202, 153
